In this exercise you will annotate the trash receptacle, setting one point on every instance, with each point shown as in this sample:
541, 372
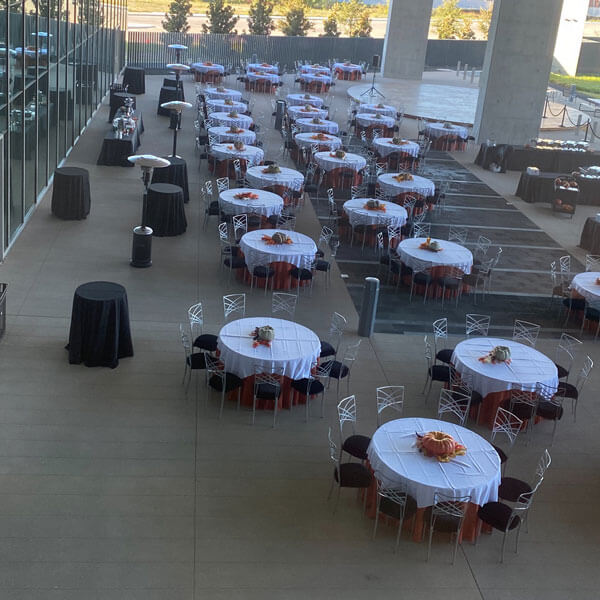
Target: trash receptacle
279, 112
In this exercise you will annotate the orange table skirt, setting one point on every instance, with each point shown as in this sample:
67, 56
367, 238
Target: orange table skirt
289, 397
448, 143
398, 161
281, 280
435, 291
261, 85
386, 131
348, 75
208, 77
316, 87
335, 179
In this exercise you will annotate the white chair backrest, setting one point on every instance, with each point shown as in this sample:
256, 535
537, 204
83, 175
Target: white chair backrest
223, 184
477, 324
234, 304
347, 413
526, 332
196, 317
282, 302
592, 262
454, 402
507, 423
458, 234
392, 397
421, 230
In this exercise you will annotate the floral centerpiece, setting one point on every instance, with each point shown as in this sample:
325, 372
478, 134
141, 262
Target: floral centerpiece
234, 129
246, 196
337, 154
239, 145
319, 136
274, 168
233, 114
277, 239
347, 63
308, 108
207, 63
403, 177
316, 121
265, 65
374, 205
307, 96
263, 336
597, 280
378, 115
440, 445
498, 354
431, 245
398, 141
380, 105
447, 125
220, 89
228, 102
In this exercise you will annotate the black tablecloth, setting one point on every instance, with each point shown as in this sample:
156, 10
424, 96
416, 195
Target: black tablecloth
117, 99
492, 154
135, 80
168, 94
590, 236
71, 193
164, 209
537, 188
115, 151
176, 174
100, 333
589, 191
168, 82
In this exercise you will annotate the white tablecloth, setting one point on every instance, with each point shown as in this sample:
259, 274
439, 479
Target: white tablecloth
351, 161
252, 154
451, 255
204, 68
394, 455
299, 112
394, 213
290, 178
310, 77
348, 68
436, 130
386, 110
212, 92
255, 249
314, 69
223, 118
383, 147
418, 185
272, 77
295, 348
305, 139
325, 126
219, 105
222, 134
585, 285
300, 100
266, 204
264, 68
368, 119
528, 366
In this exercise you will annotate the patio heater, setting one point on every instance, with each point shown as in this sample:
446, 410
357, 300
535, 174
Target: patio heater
177, 106
179, 48
179, 69
141, 251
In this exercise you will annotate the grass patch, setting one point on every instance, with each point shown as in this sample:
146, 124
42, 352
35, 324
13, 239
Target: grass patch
586, 84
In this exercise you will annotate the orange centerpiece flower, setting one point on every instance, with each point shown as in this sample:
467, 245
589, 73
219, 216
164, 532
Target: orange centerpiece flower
277, 239
374, 205
440, 445
319, 136
403, 177
207, 63
246, 196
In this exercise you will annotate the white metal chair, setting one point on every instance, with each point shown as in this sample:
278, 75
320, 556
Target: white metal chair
565, 353
476, 324
341, 369
193, 360
592, 262
574, 392
510, 425
222, 184
282, 302
565, 268
447, 515
355, 445
221, 381
337, 327
454, 402
313, 385
526, 332
240, 226
234, 304
440, 332
390, 397
421, 230
458, 234
434, 372
420, 276
267, 386
204, 341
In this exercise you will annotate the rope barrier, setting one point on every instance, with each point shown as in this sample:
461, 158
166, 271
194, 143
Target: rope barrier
564, 108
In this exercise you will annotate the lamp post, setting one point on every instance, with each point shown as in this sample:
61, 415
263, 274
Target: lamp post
177, 107
141, 251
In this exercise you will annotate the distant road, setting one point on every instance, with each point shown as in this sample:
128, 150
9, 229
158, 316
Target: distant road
152, 22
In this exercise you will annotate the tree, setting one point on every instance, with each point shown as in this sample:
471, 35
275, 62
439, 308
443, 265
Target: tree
352, 17
330, 28
221, 18
485, 18
259, 17
176, 20
465, 28
451, 23
294, 23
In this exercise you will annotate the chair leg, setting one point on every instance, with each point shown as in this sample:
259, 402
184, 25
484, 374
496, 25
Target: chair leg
275, 411
222, 403
502, 548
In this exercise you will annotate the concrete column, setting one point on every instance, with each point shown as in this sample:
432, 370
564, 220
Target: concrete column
518, 57
570, 36
406, 36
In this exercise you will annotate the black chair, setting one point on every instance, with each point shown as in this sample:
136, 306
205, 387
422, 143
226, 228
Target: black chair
349, 475
267, 386
434, 372
194, 361
222, 381
511, 488
355, 445
573, 392
446, 515
204, 341
313, 385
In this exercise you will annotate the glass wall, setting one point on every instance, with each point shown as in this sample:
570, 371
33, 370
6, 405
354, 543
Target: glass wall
57, 59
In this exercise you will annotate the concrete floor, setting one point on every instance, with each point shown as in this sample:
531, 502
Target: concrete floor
117, 485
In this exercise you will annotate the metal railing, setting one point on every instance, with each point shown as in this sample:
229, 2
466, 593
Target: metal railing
149, 49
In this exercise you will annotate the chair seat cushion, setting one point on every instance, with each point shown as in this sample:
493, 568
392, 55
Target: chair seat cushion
353, 475
235, 262
267, 391
499, 516
549, 410
562, 372
445, 355
196, 360
232, 382
301, 274
213, 208
357, 445
439, 373
392, 509
511, 488
326, 349
450, 283
476, 398
320, 253
422, 278
574, 303
301, 385
338, 370
263, 272
322, 265
592, 314
568, 390
444, 523
206, 341
501, 454
523, 411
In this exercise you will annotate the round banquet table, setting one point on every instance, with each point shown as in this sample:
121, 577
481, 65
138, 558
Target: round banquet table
316, 77
263, 67
417, 185
394, 214
203, 67
306, 140
394, 455
300, 112
450, 138
256, 251
164, 210
226, 93
336, 167
347, 70
218, 104
223, 135
267, 203
175, 173
301, 100
386, 110
314, 69
494, 381
222, 119
585, 285
135, 80
325, 126
370, 120
286, 179
100, 333
250, 155
71, 193
451, 255
262, 76
384, 147
295, 349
